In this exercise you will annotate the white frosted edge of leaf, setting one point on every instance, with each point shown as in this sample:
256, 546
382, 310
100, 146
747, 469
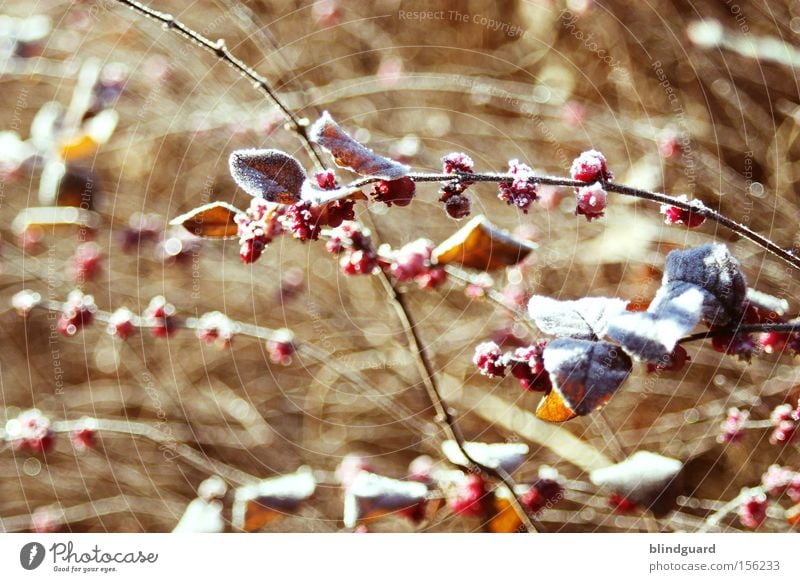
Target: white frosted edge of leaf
767, 301
369, 492
312, 193
201, 516
299, 485
642, 467
508, 456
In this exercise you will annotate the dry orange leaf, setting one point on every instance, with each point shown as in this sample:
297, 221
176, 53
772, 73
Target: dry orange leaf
793, 515
214, 220
481, 245
506, 519
553, 408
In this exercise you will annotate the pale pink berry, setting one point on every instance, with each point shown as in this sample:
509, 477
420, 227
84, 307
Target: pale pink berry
216, 328
734, 426
160, 317
121, 323
591, 201
30, 431
753, 510
281, 347
84, 436
79, 310
777, 479
85, 262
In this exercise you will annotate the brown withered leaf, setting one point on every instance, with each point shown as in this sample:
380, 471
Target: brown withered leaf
214, 220
481, 245
270, 174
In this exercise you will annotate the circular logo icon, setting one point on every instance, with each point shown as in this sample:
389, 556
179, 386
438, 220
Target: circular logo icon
31, 555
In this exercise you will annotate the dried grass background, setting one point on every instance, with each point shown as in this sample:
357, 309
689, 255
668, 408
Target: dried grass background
418, 88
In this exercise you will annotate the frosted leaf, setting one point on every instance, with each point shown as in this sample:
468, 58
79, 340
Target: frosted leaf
585, 318
647, 479
311, 192
256, 505
348, 153
652, 335
201, 516
371, 495
270, 174
584, 375
507, 456
712, 268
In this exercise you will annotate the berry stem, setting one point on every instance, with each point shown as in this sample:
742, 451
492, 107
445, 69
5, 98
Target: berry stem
657, 197
741, 329
220, 50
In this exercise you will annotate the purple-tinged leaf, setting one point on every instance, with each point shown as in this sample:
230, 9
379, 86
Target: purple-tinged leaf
647, 479
584, 375
585, 318
270, 174
348, 153
653, 334
713, 269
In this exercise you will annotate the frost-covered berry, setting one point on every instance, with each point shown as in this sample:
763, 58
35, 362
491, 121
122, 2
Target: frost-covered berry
84, 436
591, 201
591, 166
431, 278
466, 499
399, 192
302, 219
281, 347
31, 432
339, 211
786, 425
354, 245
527, 366
689, 218
421, 469
24, 301
79, 310
521, 191
326, 179
458, 162
543, 493
753, 510
160, 317
776, 480
411, 260
733, 426
457, 206
120, 324
257, 227
85, 264
621, 504
216, 328
490, 360
673, 362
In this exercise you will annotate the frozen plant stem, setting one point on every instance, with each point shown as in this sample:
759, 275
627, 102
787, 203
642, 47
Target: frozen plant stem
219, 49
658, 197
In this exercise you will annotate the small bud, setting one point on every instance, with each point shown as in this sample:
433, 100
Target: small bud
753, 510
490, 360
281, 347
591, 201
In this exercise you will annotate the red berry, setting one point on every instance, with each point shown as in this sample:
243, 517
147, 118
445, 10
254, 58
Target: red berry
31, 431
620, 504
689, 218
591, 201
85, 262
281, 347
753, 510
399, 192
83, 437
544, 493
734, 426
216, 328
432, 278
78, 312
458, 206
120, 324
326, 180
160, 317
521, 191
467, 498
772, 341
257, 227
490, 360
457, 162
591, 166
527, 366
674, 362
